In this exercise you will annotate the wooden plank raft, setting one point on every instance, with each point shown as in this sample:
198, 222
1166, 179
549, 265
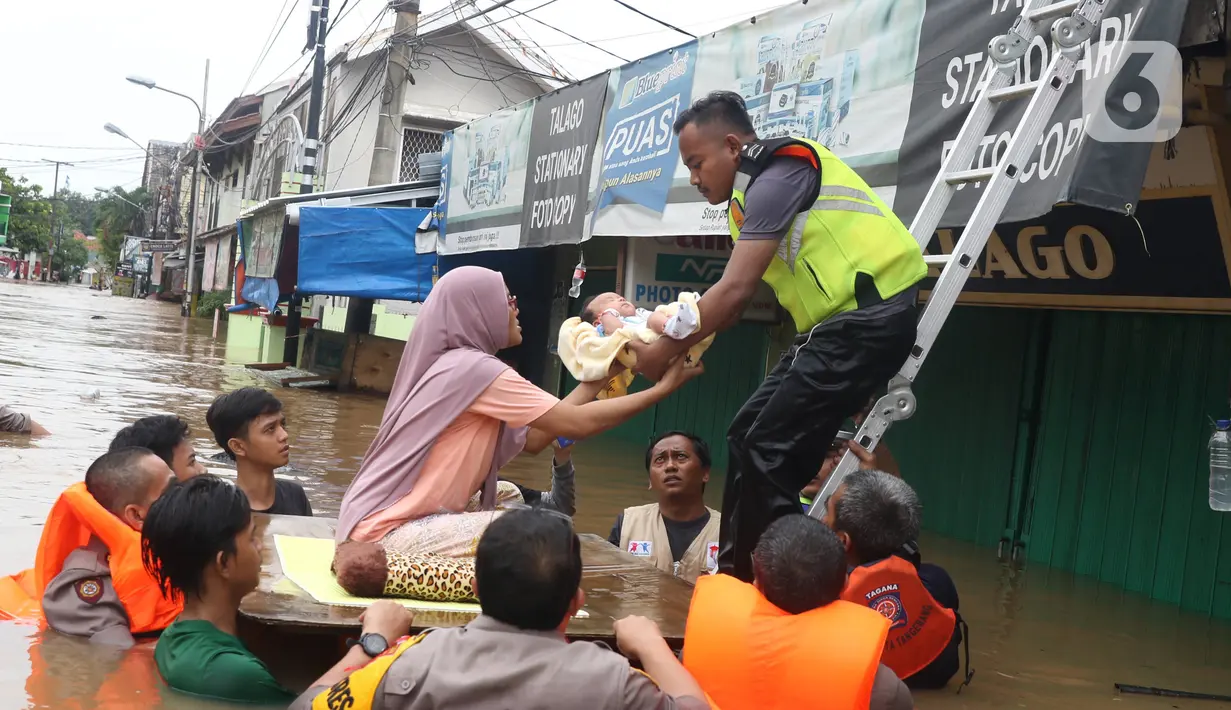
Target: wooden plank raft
616, 585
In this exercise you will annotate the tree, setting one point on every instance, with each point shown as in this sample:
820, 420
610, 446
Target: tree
77, 211
30, 219
120, 213
72, 254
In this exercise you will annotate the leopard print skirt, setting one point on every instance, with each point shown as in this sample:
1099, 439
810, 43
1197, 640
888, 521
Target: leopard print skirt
432, 558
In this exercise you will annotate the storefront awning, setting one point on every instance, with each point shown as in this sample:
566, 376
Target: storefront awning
365, 252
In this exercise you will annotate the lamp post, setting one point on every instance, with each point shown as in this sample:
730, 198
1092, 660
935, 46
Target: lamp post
190, 295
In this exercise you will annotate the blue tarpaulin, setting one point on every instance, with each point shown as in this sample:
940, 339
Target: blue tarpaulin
365, 252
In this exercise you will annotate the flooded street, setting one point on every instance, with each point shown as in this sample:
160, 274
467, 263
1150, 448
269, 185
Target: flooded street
85, 364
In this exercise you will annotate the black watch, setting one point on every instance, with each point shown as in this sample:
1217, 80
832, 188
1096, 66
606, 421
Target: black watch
372, 644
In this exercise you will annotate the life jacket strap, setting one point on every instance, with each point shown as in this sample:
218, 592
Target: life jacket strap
970, 674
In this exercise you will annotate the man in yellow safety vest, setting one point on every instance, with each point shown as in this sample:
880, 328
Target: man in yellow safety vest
846, 271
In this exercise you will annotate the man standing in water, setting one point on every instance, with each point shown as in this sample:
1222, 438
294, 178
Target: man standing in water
678, 534
844, 268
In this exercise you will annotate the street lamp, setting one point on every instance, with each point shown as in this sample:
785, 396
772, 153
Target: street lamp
190, 287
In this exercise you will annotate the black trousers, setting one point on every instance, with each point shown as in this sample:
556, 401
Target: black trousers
779, 437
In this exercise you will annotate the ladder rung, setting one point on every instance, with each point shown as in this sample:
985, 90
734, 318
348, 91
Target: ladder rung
1009, 93
1053, 11
968, 176
937, 259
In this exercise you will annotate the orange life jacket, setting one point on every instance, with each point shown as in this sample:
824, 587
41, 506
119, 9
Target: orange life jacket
920, 628
747, 653
73, 520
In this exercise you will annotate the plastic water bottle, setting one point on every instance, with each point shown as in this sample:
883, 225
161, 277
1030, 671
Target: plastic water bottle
1220, 466
579, 275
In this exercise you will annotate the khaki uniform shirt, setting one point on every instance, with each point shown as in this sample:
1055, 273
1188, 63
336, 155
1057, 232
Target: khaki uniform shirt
489, 665
644, 535
80, 601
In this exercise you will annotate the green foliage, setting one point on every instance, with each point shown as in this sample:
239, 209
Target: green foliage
212, 301
30, 219
119, 213
78, 212
72, 254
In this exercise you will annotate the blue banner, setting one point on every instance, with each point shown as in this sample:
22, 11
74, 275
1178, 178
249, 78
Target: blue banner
640, 152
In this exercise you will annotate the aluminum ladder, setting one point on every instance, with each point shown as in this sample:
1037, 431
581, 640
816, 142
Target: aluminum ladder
1070, 23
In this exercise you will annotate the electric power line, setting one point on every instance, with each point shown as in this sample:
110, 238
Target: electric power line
623, 4
270, 40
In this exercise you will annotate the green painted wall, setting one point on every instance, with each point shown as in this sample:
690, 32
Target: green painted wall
958, 450
1119, 487
391, 325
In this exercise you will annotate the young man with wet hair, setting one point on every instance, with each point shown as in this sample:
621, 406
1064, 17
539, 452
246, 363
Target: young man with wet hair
787, 639
843, 267
250, 426
201, 544
514, 655
678, 534
166, 435
82, 599
877, 516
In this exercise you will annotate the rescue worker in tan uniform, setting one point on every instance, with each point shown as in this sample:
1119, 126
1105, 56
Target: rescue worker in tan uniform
81, 600
514, 655
678, 534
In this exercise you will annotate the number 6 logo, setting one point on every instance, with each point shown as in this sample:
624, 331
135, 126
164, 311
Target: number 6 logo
1139, 98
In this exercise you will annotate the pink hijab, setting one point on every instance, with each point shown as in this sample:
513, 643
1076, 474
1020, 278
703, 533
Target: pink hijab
448, 362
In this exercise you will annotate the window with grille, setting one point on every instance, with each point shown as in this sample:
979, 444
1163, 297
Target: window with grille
414, 143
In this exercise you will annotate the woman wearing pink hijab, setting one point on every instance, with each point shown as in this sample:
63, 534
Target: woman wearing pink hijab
427, 488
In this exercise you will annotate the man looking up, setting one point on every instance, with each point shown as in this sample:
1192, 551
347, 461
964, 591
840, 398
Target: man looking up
514, 655
787, 640
877, 517
844, 268
678, 534
249, 425
168, 437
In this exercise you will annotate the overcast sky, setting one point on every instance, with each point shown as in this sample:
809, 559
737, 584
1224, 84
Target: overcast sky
63, 64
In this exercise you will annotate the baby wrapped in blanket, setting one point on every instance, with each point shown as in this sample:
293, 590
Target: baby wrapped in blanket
590, 344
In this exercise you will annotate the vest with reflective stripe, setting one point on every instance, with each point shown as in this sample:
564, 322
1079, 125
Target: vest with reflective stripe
846, 231
747, 653
920, 628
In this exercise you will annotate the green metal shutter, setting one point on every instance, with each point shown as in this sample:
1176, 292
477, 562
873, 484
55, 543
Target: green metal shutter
1119, 484
958, 450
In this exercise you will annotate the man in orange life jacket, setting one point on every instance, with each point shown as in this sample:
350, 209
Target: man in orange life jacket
83, 599
787, 640
877, 516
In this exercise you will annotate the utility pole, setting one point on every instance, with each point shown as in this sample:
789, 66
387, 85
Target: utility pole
386, 158
190, 293
55, 188
318, 28
386, 154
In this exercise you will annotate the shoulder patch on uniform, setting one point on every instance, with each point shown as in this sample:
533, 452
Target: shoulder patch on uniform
754, 151
89, 590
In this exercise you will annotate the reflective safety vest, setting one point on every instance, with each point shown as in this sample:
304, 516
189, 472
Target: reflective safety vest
920, 628
73, 520
846, 250
747, 653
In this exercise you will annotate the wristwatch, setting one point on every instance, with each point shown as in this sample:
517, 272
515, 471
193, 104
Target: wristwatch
372, 644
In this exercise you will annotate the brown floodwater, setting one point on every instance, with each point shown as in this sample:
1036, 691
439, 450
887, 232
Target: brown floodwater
85, 364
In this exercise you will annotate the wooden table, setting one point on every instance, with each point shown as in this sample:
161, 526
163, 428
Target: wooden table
616, 585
